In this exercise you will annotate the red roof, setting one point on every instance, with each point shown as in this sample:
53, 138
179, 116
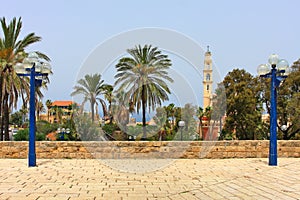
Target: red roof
62, 103
51, 136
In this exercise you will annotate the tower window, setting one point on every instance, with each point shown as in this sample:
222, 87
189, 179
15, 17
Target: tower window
208, 77
207, 87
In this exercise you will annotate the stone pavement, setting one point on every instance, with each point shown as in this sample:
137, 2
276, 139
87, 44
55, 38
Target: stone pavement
161, 179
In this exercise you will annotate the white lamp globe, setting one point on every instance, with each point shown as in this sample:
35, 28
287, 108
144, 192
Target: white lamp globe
282, 65
284, 127
181, 123
33, 56
46, 68
19, 68
263, 69
38, 67
273, 59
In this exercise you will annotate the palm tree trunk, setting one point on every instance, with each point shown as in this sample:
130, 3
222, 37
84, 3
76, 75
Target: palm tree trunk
110, 113
1, 123
144, 113
105, 112
92, 108
1, 128
6, 117
24, 107
1, 113
38, 114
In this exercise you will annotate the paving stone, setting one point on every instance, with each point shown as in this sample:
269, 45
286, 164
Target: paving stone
182, 179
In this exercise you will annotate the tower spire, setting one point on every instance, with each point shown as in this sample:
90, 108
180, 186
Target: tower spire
207, 79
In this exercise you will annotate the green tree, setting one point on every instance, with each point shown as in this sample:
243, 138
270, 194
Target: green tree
48, 105
188, 112
170, 110
91, 87
177, 114
86, 129
219, 104
58, 112
161, 120
16, 118
23, 135
200, 114
72, 108
120, 110
208, 114
143, 77
24, 112
12, 51
288, 104
243, 114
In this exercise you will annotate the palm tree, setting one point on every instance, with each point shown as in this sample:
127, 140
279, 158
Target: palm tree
161, 119
23, 111
208, 114
48, 105
12, 51
39, 108
72, 108
91, 87
108, 95
178, 115
58, 112
121, 110
188, 113
143, 76
171, 113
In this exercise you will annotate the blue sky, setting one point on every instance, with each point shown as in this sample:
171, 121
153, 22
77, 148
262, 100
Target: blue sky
241, 34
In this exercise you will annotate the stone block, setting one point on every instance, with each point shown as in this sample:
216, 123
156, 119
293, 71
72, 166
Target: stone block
230, 154
217, 155
240, 154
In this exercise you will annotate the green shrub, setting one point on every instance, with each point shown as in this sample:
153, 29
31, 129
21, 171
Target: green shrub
86, 129
110, 128
23, 135
45, 127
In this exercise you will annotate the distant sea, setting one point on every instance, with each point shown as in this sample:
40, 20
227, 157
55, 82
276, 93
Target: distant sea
138, 117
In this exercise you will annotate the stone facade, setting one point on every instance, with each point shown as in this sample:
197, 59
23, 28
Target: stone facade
142, 149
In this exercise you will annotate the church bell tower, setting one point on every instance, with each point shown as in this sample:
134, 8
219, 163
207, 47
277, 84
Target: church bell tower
207, 79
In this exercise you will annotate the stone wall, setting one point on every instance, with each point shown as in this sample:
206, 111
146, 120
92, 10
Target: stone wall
141, 149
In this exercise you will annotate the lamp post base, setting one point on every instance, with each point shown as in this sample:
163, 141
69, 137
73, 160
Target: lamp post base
31, 160
273, 160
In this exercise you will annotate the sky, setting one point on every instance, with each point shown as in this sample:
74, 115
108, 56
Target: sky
241, 34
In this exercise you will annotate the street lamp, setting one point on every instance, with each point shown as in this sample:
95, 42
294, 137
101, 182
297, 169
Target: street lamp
181, 124
37, 71
62, 132
276, 75
132, 137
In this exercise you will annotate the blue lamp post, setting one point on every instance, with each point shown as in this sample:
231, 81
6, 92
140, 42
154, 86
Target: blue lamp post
36, 70
62, 132
279, 71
